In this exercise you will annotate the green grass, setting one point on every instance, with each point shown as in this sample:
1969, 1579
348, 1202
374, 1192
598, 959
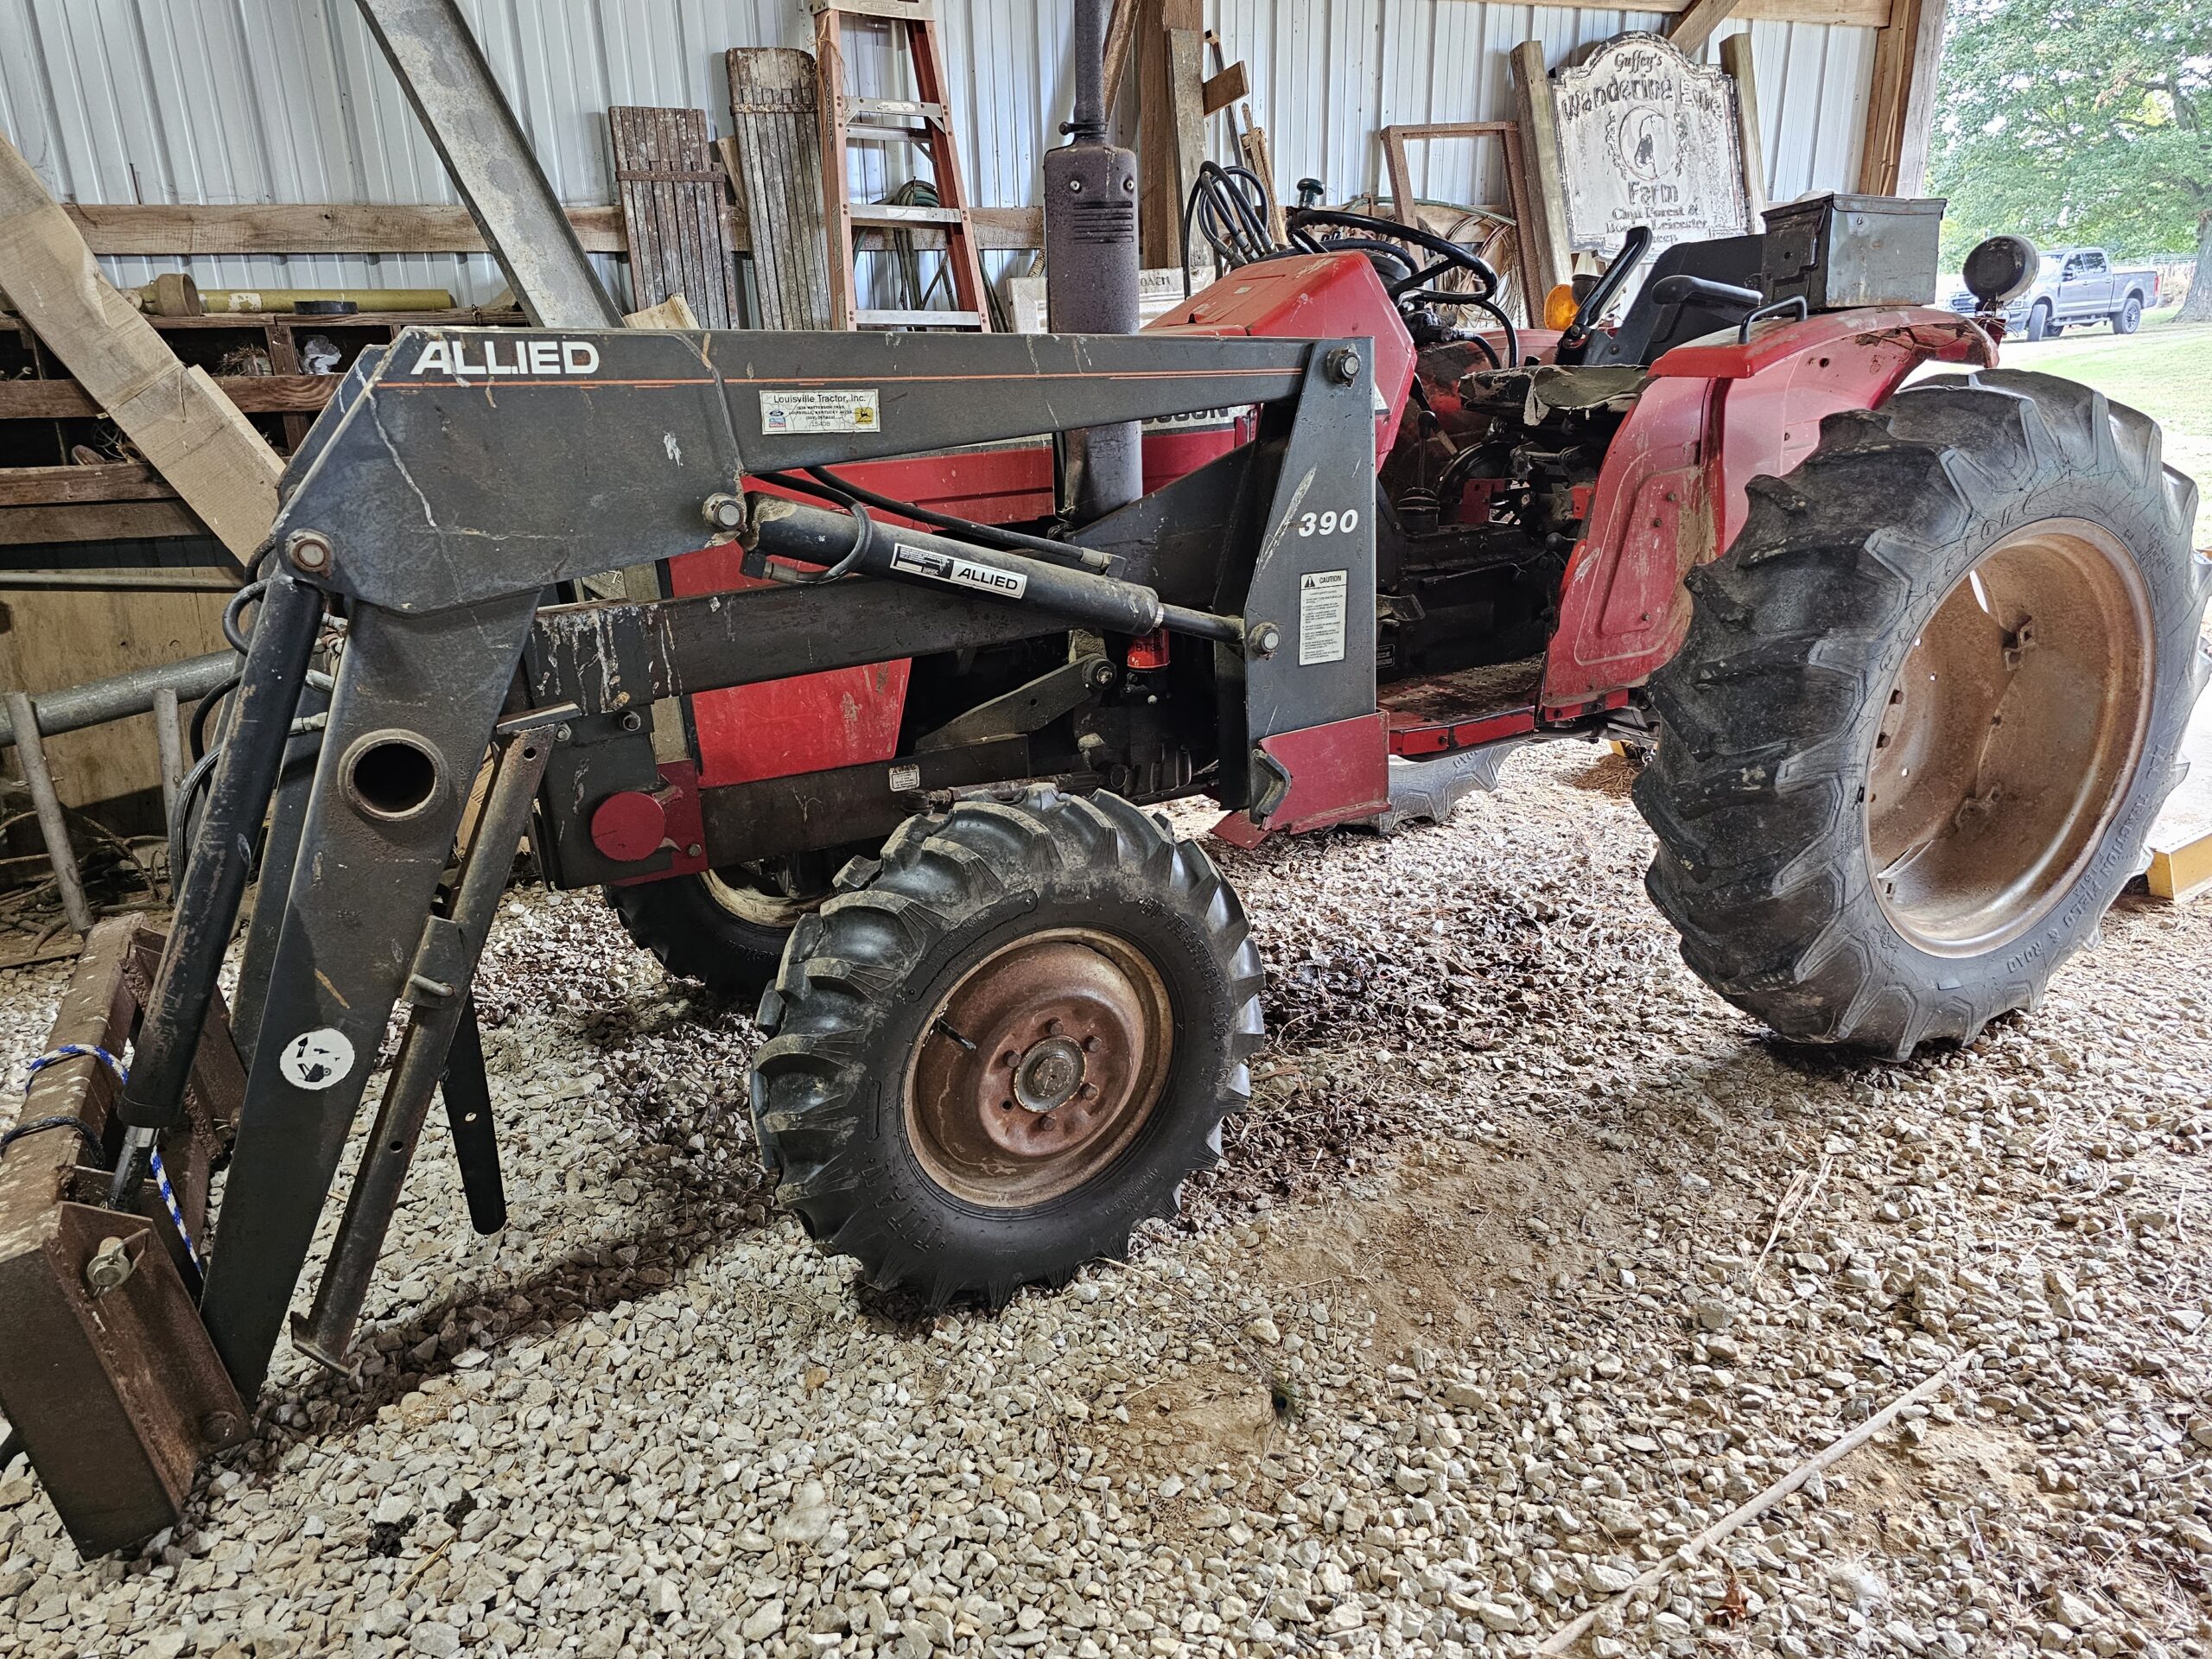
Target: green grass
2166, 371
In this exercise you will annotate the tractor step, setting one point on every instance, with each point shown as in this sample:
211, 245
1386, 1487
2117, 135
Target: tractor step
106, 1371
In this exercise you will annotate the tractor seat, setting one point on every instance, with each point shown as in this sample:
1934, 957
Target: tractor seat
1649, 330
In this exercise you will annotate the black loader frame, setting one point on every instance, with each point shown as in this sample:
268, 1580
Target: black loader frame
459, 485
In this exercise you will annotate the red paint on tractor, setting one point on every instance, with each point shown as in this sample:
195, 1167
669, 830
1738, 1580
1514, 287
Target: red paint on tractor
1671, 493
629, 825
685, 832
1322, 296
849, 715
1415, 740
1339, 773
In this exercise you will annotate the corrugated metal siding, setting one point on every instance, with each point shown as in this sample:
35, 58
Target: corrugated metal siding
289, 100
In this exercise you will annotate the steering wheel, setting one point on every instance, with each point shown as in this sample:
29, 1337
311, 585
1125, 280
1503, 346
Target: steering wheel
1451, 256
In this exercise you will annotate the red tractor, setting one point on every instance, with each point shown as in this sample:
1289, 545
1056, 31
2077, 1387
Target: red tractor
1913, 662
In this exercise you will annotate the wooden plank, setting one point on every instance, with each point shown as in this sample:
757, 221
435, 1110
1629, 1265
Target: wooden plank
779, 182
183, 231
1901, 104
1736, 59
306, 227
1121, 30
254, 394
39, 487
1171, 124
1693, 27
102, 521
671, 188
1546, 217
674, 312
1220, 91
198, 439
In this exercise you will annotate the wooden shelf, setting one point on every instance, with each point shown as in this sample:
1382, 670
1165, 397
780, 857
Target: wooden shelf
45, 416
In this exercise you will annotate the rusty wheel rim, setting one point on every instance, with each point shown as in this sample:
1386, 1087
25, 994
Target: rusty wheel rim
2009, 737
1039, 1068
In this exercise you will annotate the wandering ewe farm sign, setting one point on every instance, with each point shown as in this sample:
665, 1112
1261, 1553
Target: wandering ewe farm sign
1648, 138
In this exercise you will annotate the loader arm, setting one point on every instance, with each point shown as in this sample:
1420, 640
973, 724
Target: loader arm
458, 478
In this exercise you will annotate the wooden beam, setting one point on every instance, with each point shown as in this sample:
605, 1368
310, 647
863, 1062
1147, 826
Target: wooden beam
336, 227
1736, 60
253, 394
306, 227
1546, 235
43, 487
1692, 28
1224, 89
1901, 104
198, 439
1171, 124
1121, 30
101, 521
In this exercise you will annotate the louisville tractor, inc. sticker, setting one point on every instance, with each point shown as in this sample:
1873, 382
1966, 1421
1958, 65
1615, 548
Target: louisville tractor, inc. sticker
821, 411
1321, 617
964, 573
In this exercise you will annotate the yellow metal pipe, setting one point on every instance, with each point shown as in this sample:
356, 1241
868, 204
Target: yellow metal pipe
214, 300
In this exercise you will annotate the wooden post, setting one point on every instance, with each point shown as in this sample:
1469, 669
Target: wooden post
1901, 104
224, 469
1736, 59
1170, 123
1546, 238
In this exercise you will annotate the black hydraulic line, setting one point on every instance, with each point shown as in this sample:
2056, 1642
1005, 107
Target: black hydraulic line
207, 899
790, 531
826, 485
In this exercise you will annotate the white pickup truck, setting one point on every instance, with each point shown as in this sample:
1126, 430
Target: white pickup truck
2076, 285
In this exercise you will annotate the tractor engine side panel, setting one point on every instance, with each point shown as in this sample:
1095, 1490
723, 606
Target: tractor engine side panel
1324, 296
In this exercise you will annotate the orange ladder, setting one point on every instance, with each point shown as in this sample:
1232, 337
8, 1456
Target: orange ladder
888, 118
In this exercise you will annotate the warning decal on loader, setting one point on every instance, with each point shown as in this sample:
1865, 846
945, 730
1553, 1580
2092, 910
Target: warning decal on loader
1321, 617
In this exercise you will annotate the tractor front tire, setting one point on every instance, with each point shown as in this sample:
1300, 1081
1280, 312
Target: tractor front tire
997, 1052
725, 929
1930, 703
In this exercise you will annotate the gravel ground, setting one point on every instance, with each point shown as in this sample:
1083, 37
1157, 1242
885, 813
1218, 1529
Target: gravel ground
1531, 1259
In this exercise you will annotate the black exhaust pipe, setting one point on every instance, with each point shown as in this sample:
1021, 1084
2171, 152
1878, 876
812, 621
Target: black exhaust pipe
1090, 268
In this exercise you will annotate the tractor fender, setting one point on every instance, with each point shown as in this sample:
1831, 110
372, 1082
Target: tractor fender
1716, 414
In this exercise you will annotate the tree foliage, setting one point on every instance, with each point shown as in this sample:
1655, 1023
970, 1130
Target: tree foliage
2078, 121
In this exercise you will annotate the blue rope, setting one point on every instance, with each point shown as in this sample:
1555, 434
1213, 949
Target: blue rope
93, 1051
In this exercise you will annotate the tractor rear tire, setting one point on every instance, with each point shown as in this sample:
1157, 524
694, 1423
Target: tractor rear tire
722, 928
1930, 703
995, 1054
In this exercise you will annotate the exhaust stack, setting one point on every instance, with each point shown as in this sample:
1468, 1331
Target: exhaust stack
1091, 267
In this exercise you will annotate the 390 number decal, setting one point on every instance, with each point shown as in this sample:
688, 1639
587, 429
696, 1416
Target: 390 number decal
1329, 523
